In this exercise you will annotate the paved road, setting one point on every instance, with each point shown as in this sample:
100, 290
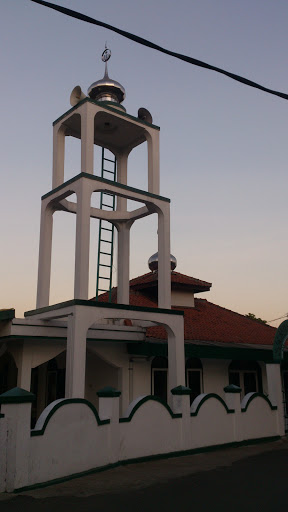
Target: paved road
252, 478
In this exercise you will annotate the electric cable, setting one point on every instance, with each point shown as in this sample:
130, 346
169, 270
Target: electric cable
149, 44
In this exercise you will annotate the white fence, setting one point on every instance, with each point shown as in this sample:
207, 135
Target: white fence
71, 438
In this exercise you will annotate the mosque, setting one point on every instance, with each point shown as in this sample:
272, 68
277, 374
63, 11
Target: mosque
149, 337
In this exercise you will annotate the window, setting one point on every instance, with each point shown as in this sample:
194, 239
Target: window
247, 375
159, 377
55, 383
194, 377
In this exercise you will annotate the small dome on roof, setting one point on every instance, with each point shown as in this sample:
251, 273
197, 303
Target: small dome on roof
153, 262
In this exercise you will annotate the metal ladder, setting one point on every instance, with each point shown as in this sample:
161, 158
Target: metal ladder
106, 232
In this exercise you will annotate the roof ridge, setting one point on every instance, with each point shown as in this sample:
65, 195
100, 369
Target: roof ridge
191, 277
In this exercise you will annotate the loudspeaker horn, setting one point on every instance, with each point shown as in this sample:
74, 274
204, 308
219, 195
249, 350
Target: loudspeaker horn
77, 95
145, 115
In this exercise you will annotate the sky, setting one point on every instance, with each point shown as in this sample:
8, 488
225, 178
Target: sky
223, 145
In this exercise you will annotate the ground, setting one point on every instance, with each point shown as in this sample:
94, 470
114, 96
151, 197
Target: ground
245, 478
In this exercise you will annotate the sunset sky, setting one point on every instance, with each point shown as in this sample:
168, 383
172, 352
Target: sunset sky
223, 144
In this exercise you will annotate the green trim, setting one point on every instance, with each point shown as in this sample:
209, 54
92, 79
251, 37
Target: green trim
232, 389
207, 397
279, 341
108, 392
181, 390
2, 415
105, 305
101, 104
7, 314
182, 453
110, 104
17, 396
147, 399
255, 395
68, 401
64, 338
106, 182
151, 349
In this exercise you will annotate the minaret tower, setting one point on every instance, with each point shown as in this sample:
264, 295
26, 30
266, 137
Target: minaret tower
100, 119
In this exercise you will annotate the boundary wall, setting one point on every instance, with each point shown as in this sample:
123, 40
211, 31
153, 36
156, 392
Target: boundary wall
72, 438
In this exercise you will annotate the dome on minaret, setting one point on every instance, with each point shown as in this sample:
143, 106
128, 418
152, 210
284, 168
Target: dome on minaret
106, 89
153, 262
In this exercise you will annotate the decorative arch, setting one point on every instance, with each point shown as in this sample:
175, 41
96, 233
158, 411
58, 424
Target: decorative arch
279, 341
8, 372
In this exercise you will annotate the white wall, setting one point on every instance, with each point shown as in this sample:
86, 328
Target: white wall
72, 440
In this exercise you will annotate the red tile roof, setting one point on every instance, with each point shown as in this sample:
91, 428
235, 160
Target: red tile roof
207, 322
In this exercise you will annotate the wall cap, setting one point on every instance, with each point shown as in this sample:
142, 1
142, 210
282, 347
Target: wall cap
181, 390
16, 396
108, 392
232, 388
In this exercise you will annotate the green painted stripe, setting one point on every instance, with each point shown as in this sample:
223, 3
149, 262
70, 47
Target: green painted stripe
64, 402
7, 314
160, 456
106, 107
58, 338
105, 305
151, 349
149, 398
106, 182
272, 407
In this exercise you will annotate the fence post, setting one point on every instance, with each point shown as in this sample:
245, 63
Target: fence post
16, 408
233, 401
181, 405
109, 409
274, 383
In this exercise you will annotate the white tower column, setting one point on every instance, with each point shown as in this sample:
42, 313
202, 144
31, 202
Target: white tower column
75, 357
81, 282
45, 252
122, 163
164, 265
58, 155
153, 162
176, 357
123, 261
87, 139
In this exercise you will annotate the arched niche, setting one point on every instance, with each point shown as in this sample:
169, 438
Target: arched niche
8, 372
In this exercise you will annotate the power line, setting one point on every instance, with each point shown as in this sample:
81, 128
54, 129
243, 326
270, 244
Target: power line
280, 318
145, 42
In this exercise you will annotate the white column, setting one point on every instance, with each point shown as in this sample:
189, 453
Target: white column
45, 251
81, 282
153, 162
58, 155
123, 262
75, 357
164, 266
122, 162
87, 139
24, 374
274, 383
176, 357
